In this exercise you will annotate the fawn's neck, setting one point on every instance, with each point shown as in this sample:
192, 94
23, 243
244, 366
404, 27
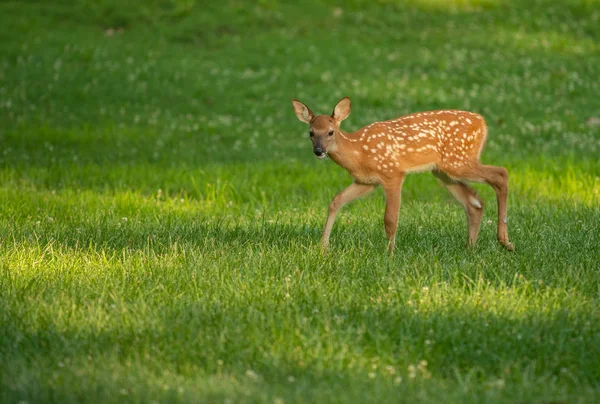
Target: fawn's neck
346, 153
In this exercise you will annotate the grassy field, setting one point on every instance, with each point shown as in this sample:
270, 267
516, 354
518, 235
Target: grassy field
160, 206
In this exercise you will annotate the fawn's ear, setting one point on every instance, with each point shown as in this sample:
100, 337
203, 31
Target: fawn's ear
302, 111
342, 110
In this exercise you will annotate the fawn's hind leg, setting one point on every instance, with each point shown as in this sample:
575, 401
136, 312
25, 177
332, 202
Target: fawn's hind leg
497, 178
470, 201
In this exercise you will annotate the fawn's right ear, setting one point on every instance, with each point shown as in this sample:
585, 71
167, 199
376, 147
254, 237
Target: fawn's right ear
302, 111
342, 110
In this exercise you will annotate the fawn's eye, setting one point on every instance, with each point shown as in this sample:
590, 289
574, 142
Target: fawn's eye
311, 133
331, 133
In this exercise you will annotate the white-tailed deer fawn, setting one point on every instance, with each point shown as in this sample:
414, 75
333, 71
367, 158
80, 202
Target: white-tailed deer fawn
448, 143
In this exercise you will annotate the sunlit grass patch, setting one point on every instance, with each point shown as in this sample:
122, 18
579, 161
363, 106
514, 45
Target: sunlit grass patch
457, 5
568, 183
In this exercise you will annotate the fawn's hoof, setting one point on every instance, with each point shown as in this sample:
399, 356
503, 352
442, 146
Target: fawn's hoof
507, 244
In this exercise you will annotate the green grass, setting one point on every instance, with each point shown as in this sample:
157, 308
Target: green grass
160, 207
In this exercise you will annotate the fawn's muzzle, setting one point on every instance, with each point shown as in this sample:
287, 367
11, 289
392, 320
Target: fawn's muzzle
319, 152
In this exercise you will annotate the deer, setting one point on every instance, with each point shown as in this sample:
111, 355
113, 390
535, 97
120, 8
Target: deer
447, 143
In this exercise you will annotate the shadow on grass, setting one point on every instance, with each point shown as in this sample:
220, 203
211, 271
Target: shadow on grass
193, 342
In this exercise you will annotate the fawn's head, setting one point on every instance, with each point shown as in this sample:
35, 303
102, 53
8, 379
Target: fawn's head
324, 129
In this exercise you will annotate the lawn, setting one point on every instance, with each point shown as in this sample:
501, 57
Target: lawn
161, 207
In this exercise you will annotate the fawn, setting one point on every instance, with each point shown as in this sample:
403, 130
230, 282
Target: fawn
447, 142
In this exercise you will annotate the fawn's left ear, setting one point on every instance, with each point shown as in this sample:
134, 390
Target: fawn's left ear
342, 110
302, 112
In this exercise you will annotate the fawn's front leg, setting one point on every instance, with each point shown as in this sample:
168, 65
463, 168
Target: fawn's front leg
393, 195
349, 194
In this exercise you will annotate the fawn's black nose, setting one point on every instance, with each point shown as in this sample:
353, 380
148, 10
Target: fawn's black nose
319, 151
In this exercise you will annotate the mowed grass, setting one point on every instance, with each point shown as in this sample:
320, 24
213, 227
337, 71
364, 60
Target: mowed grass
161, 208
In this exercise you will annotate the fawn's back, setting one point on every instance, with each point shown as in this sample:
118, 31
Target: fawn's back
446, 140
